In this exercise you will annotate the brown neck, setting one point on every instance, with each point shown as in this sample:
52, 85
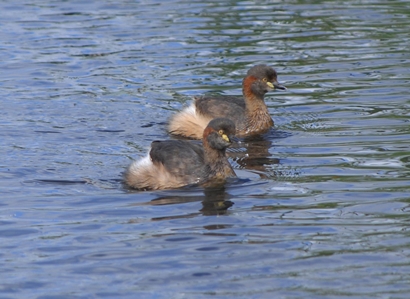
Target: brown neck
258, 118
217, 162
254, 102
212, 155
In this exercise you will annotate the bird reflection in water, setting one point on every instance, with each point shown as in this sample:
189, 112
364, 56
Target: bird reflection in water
215, 201
252, 153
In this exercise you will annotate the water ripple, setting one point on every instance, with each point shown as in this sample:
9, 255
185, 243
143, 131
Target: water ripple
321, 202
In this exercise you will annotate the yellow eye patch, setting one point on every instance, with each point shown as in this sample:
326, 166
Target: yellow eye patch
223, 135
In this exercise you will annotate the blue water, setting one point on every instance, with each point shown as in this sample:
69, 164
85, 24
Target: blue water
320, 209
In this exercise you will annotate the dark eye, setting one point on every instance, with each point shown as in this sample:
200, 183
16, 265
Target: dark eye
220, 132
265, 80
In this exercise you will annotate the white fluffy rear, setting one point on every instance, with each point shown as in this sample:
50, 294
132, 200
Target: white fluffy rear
188, 123
145, 175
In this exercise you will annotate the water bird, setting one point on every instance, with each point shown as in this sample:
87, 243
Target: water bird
177, 163
249, 113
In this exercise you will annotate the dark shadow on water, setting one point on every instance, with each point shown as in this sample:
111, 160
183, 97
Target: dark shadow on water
215, 201
109, 131
252, 153
58, 182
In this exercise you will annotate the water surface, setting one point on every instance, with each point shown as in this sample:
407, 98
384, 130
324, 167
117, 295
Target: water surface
321, 209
